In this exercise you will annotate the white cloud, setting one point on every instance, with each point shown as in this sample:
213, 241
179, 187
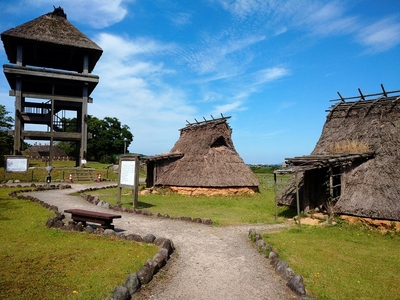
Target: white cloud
96, 13
380, 36
180, 19
270, 74
219, 53
228, 107
330, 19
244, 8
124, 47
133, 89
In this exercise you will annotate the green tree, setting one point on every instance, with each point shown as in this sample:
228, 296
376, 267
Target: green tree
6, 141
109, 138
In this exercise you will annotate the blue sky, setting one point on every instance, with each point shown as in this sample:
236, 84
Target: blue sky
271, 65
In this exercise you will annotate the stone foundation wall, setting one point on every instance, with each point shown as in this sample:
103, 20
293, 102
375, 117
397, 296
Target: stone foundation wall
192, 191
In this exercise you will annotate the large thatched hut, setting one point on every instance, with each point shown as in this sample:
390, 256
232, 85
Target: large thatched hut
202, 161
355, 166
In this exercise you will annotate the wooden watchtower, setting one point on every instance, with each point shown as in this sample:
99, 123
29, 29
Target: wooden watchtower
50, 77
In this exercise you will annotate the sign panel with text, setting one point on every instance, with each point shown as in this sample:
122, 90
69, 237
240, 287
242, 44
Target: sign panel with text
128, 176
16, 164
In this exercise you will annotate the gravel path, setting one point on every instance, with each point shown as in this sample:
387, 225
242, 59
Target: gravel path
209, 262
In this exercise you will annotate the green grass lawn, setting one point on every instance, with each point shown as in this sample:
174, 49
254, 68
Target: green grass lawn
342, 261
336, 262
222, 210
42, 263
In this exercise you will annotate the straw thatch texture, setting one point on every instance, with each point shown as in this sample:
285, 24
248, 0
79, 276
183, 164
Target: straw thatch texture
51, 41
209, 159
369, 189
44, 150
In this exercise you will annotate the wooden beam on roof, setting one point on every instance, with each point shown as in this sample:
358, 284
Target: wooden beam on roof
371, 105
361, 94
383, 90
204, 122
341, 98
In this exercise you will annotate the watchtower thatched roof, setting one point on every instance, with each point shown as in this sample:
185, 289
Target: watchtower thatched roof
369, 188
206, 158
51, 41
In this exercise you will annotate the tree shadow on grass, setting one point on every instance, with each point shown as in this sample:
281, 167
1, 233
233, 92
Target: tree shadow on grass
5, 206
288, 212
144, 205
141, 205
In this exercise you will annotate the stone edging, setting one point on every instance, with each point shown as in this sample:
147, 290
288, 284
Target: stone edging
96, 201
294, 281
134, 280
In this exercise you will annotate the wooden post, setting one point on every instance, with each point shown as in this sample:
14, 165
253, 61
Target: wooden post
83, 148
276, 200
136, 189
297, 197
18, 119
51, 129
18, 106
85, 64
119, 195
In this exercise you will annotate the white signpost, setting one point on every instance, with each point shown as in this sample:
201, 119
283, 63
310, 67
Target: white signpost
16, 163
128, 177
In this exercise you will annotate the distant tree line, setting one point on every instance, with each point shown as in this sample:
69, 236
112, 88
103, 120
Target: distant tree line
6, 141
265, 169
109, 139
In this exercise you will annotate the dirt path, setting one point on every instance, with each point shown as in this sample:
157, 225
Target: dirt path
209, 262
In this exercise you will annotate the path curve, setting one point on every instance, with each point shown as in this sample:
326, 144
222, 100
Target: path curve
209, 262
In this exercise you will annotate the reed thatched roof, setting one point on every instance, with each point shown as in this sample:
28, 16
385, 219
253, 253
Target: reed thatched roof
51, 41
209, 159
371, 188
44, 150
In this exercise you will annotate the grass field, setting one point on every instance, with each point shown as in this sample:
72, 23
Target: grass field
222, 210
343, 261
337, 262
42, 263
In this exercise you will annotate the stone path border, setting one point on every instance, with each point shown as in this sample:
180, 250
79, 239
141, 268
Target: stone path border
208, 263
134, 280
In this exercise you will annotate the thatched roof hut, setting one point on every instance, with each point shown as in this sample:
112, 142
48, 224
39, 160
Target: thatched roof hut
48, 38
356, 162
203, 161
44, 151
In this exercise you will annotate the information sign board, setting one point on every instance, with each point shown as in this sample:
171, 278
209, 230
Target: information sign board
128, 176
16, 164
128, 172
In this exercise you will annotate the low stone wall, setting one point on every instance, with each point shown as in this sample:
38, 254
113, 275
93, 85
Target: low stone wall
194, 191
134, 280
294, 281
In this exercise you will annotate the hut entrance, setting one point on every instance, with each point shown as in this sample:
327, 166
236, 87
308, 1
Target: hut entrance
315, 191
335, 183
322, 177
322, 187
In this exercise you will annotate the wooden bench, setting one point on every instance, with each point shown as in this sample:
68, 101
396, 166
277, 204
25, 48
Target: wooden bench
81, 215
